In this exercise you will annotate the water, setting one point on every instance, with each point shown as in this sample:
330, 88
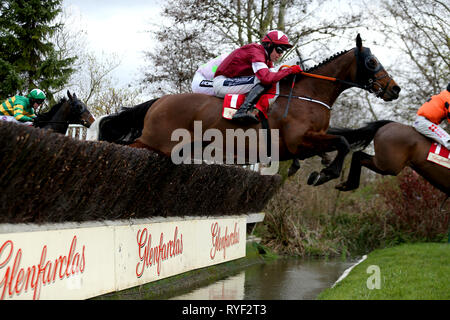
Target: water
284, 279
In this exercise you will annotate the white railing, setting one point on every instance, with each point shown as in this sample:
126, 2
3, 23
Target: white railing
77, 131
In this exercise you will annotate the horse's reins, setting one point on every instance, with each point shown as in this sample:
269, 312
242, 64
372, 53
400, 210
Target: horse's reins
317, 76
290, 93
311, 75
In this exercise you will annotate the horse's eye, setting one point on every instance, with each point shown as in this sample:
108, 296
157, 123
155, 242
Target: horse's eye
79, 107
372, 63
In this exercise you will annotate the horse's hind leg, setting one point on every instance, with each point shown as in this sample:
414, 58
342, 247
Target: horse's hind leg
354, 175
359, 160
333, 170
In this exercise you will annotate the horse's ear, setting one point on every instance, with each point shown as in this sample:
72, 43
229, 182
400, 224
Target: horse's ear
358, 42
69, 95
74, 95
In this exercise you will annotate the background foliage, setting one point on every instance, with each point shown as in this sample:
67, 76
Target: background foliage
28, 57
321, 221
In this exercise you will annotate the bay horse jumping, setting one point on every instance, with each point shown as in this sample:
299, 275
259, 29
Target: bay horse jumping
72, 111
396, 146
302, 131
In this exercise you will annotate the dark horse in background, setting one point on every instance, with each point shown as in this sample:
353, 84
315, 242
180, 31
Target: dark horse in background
302, 132
72, 111
396, 146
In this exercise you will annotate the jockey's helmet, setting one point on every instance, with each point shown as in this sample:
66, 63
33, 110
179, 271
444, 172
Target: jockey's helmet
277, 38
37, 95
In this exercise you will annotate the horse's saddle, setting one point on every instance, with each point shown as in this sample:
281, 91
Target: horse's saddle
439, 155
232, 102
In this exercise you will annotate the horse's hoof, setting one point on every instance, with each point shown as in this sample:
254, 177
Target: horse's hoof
344, 187
321, 179
340, 187
313, 178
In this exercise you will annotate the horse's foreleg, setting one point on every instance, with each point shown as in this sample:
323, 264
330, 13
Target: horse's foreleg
333, 170
140, 145
295, 166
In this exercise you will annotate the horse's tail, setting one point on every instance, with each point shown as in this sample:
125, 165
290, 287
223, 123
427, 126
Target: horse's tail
125, 126
361, 137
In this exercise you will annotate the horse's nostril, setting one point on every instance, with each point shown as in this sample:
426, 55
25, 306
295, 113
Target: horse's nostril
396, 89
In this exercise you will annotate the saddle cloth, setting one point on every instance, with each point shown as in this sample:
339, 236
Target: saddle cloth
439, 154
232, 102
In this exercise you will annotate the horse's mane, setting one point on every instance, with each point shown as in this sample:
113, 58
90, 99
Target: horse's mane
295, 60
329, 59
309, 70
46, 116
317, 66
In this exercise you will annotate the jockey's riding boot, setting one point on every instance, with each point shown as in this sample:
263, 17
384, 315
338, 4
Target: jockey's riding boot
247, 112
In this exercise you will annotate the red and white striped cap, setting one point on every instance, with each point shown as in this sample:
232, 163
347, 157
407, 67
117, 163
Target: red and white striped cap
277, 37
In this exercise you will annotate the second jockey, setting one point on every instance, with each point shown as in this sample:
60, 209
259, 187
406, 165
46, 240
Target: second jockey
247, 70
431, 114
22, 109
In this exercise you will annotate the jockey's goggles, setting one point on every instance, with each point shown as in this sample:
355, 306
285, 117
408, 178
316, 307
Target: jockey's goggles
279, 49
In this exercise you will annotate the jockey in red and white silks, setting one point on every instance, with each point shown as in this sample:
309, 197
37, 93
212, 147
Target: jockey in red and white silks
431, 114
248, 70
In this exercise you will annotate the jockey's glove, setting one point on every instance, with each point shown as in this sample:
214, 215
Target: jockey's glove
296, 69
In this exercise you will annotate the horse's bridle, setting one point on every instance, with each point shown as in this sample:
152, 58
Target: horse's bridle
72, 103
367, 68
82, 110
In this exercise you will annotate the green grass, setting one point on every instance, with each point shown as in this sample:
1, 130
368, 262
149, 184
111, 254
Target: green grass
407, 272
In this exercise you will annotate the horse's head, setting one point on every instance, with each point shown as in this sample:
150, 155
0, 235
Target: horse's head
79, 113
372, 76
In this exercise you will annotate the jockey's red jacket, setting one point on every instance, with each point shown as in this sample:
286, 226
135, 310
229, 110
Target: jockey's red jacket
251, 59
